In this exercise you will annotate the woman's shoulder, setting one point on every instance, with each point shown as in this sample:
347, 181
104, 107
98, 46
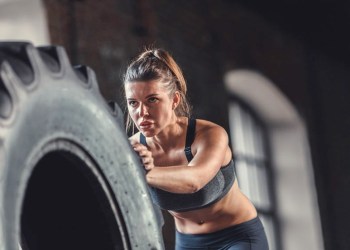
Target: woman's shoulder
205, 124
205, 127
210, 136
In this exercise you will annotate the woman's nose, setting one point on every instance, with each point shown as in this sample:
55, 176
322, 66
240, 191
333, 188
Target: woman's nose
143, 110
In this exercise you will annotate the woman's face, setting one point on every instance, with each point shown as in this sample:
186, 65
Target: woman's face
150, 106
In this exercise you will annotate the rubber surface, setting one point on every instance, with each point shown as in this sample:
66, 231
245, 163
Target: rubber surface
68, 176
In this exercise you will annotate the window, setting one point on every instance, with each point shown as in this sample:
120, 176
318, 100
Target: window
274, 164
250, 147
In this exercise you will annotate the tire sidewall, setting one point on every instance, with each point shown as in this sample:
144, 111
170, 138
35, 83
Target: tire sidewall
61, 108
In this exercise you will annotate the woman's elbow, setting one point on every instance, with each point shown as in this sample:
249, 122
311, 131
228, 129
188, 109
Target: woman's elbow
194, 186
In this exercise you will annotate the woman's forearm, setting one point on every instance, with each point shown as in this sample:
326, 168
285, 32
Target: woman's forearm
175, 179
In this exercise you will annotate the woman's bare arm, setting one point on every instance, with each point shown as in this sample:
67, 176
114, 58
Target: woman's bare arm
209, 149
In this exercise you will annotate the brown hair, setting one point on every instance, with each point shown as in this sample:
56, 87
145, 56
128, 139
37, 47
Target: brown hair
158, 64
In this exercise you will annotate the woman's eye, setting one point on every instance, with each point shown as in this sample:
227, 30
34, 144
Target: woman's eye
152, 99
132, 103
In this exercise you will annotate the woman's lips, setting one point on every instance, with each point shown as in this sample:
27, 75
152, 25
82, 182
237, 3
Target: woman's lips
145, 124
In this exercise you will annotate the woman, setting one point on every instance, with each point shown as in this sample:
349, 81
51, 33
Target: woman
188, 162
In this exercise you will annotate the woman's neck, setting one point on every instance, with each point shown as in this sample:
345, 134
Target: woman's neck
172, 135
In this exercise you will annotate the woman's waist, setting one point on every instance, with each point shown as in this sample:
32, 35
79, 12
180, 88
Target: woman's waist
232, 209
214, 240
210, 224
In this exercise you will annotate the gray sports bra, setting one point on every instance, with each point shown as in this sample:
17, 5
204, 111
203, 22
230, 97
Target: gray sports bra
212, 192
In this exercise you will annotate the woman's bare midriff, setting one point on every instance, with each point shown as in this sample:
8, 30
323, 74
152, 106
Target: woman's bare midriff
233, 209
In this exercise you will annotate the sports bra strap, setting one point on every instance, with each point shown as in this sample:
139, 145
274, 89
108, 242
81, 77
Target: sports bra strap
191, 129
143, 139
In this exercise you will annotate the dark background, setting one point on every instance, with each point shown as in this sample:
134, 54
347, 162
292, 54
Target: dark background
302, 46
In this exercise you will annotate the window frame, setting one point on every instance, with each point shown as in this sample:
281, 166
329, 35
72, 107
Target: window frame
271, 185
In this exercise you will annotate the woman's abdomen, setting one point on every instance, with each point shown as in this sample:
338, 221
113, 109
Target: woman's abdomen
233, 208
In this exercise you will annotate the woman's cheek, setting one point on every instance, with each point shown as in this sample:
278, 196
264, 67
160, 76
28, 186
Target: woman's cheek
133, 114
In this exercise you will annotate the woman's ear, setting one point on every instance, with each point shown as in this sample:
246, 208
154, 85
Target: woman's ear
176, 99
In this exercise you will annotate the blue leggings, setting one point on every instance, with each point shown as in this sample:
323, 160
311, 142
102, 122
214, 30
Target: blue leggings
249, 235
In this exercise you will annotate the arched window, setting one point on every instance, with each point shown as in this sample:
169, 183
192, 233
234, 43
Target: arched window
274, 166
253, 167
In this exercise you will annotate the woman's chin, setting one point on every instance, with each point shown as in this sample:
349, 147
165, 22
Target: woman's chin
147, 132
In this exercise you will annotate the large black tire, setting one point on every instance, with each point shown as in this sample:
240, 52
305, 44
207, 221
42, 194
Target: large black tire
68, 176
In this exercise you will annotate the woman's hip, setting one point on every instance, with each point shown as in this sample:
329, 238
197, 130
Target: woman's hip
246, 235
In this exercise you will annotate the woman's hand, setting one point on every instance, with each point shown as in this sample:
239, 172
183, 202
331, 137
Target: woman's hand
145, 155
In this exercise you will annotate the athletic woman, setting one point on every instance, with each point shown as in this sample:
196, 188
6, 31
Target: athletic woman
188, 162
